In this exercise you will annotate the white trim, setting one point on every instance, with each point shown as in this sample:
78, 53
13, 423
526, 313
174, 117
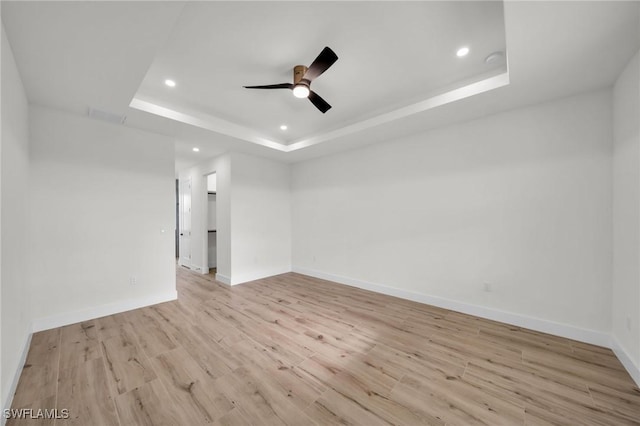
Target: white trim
16, 376
184, 265
485, 85
223, 279
247, 277
250, 277
67, 318
626, 360
206, 121
224, 127
537, 324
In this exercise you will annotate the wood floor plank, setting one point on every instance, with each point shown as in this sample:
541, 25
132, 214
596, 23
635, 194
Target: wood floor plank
459, 402
38, 381
526, 340
110, 325
212, 325
565, 365
175, 315
260, 398
302, 389
148, 405
232, 418
84, 391
625, 404
333, 408
426, 325
79, 343
556, 413
371, 390
155, 340
321, 368
296, 350
431, 355
514, 382
397, 363
466, 348
127, 365
31, 418
591, 348
594, 355
215, 359
199, 401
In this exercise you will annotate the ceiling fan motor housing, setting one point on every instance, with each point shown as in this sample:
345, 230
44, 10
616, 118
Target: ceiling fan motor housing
298, 73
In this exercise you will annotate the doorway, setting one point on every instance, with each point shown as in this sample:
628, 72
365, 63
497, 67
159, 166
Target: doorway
212, 228
184, 237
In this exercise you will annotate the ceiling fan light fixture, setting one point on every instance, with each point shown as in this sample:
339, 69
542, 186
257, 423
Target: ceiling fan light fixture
302, 78
301, 91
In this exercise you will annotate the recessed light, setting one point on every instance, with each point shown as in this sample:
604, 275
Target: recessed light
283, 127
170, 83
196, 149
463, 51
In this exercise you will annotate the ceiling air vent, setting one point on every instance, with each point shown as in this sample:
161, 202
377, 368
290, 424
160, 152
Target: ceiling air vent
106, 116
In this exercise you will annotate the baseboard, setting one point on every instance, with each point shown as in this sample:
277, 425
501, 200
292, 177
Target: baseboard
247, 277
223, 279
537, 324
6, 404
626, 360
67, 318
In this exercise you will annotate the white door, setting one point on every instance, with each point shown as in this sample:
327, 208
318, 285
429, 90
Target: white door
185, 223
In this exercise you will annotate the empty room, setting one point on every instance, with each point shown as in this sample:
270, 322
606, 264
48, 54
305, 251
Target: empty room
320, 212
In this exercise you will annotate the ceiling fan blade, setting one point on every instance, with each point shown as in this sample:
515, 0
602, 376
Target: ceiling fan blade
272, 86
325, 59
319, 103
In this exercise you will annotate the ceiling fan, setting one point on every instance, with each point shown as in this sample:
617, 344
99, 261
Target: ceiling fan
303, 76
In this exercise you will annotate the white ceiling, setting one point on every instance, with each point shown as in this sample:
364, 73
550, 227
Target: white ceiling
390, 55
72, 55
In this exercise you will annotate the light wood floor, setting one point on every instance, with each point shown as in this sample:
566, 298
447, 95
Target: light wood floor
302, 351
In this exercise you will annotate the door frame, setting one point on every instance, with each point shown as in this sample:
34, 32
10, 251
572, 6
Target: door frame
183, 185
205, 211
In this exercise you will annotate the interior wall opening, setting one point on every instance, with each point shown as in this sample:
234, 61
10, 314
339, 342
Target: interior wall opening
211, 229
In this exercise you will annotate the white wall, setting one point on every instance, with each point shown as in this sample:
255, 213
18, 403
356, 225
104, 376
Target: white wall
626, 215
253, 217
260, 218
211, 199
211, 182
102, 211
211, 211
520, 200
14, 180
